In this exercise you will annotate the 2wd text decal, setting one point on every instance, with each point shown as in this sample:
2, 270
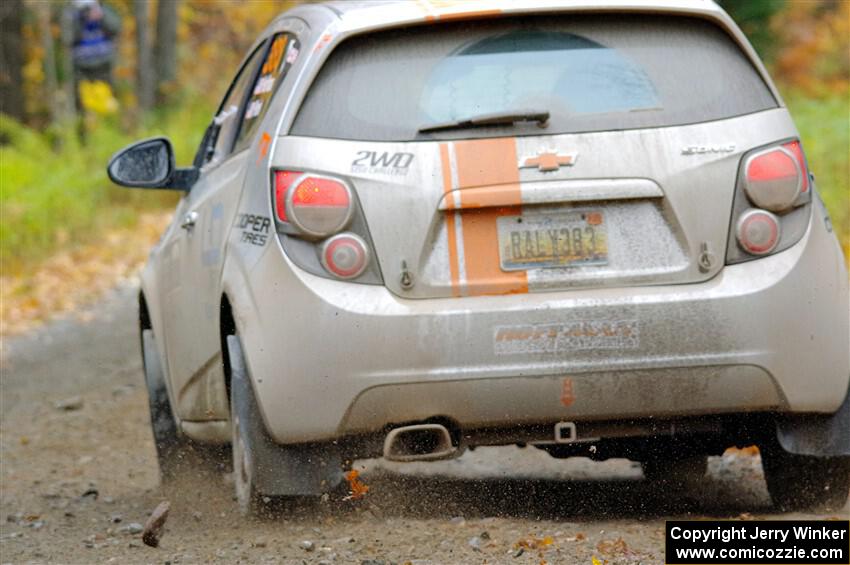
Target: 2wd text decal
385, 163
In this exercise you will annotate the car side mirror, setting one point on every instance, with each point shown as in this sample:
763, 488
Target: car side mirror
149, 164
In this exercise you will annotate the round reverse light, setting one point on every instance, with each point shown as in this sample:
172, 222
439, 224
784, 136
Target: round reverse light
319, 206
774, 179
758, 232
345, 255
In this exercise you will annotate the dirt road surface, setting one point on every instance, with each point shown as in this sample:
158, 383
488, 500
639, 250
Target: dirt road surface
79, 479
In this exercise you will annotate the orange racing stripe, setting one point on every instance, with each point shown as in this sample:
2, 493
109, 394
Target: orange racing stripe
488, 162
455, 16
448, 10
454, 265
482, 197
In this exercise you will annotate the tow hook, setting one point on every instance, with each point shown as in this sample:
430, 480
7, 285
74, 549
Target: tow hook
406, 279
565, 432
706, 258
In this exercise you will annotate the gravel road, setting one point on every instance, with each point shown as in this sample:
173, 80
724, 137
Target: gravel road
78, 479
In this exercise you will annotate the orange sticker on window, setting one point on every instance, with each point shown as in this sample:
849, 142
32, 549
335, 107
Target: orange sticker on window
265, 143
275, 54
325, 39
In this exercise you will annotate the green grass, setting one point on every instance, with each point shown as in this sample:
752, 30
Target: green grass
824, 126
51, 198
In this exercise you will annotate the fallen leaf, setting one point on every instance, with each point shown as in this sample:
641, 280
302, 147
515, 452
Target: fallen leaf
612, 547
532, 542
357, 488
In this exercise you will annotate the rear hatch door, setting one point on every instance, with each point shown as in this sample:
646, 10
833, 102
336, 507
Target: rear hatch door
630, 182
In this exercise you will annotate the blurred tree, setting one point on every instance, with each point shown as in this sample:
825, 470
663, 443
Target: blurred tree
214, 37
145, 81
67, 57
199, 42
12, 58
165, 52
753, 16
45, 29
815, 53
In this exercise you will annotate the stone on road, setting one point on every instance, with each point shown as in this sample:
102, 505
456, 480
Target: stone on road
155, 525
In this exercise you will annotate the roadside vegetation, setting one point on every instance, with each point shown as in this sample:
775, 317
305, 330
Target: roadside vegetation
824, 125
57, 197
54, 192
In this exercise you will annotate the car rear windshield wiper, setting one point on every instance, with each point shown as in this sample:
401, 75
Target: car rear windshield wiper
493, 119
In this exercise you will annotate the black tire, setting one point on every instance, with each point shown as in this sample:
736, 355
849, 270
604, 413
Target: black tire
676, 471
267, 474
247, 497
803, 482
171, 446
176, 454
248, 435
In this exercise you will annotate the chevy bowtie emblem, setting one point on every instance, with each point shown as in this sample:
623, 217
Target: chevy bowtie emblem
548, 161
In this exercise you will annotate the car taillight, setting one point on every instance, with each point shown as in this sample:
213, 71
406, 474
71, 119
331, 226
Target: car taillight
758, 232
317, 206
282, 181
321, 226
770, 211
345, 255
776, 177
796, 149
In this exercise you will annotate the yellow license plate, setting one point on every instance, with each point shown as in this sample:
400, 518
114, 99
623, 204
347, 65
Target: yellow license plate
546, 241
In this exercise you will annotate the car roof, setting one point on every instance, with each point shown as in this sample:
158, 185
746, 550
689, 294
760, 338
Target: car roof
337, 19
330, 23
353, 10
353, 16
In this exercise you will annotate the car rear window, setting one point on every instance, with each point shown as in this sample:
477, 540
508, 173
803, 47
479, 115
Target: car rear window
591, 73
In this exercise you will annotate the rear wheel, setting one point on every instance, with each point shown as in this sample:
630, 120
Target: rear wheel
248, 434
803, 482
264, 471
253, 450
171, 448
176, 454
247, 497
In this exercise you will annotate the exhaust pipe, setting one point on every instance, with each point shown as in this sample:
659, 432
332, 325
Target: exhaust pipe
421, 442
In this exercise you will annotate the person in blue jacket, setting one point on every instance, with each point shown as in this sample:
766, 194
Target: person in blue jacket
95, 29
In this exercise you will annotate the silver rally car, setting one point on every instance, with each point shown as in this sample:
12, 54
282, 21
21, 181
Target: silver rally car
418, 227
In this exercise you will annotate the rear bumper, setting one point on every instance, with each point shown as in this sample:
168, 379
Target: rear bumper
328, 359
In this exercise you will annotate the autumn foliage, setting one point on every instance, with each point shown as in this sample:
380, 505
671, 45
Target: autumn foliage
815, 40
212, 38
